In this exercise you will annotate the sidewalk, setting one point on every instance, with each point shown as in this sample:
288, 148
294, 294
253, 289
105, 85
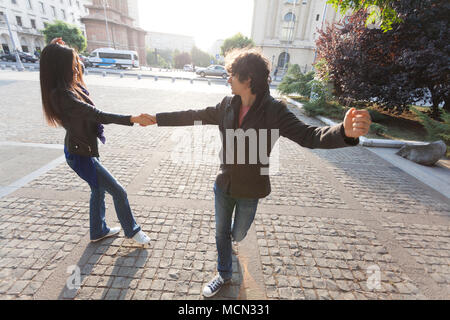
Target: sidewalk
339, 224
436, 177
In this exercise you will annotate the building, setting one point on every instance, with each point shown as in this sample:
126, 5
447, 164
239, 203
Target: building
286, 30
133, 12
216, 51
109, 24
169, 41
28, 17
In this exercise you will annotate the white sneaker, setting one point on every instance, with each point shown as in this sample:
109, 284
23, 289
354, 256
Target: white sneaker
214, 286
141, 238
112, 232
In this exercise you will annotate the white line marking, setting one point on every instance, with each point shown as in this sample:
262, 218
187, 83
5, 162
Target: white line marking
4, 191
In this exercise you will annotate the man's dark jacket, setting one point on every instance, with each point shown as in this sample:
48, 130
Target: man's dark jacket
245, 180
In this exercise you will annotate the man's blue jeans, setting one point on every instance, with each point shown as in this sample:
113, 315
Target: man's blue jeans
107, 183
226, 228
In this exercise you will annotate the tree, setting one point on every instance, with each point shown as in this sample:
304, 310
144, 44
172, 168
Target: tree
296, 82
158, 58
180, 59
395, 68
71, 34
380, 10
236, 41
200, 58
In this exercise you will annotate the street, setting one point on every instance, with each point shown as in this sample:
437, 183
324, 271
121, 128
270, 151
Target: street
339, 224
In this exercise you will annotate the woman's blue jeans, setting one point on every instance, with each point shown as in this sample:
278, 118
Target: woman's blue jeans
107, 183
228, 230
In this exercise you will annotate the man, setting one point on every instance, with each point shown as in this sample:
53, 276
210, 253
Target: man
253, 118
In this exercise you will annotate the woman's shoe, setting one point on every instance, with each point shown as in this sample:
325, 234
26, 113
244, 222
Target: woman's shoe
112, 232
141, 238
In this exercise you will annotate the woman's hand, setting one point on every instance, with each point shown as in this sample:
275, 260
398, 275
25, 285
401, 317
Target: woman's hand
58, 41
144, 120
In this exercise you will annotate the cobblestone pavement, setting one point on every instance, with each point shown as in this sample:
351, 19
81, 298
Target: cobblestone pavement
335, 222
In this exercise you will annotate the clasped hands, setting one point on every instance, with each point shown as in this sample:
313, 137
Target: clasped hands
144, 119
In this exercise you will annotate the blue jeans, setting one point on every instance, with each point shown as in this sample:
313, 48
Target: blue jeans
107, 183
226, 229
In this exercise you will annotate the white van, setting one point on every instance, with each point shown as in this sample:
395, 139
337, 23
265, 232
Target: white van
112, 57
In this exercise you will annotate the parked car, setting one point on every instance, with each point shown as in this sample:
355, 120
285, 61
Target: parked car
24, 57
188, 67
213, 70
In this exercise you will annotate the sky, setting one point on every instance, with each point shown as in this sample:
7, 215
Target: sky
205, 20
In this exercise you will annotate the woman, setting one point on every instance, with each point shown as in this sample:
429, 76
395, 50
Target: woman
66, 103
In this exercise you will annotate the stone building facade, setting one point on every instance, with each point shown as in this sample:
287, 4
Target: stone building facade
28, 17
286, 30
117, 30
169, 41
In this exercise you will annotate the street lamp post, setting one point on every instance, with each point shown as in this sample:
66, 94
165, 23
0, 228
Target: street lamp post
18, 61
106, 22
291, 33
321, 28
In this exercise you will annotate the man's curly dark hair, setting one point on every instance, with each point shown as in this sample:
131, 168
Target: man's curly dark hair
249, 63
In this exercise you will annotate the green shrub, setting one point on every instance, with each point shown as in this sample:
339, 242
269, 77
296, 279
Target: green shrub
436, 130
296, 82
330, 109
378, 129
377, 116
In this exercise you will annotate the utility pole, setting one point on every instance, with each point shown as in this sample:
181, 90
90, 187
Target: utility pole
106, 22
321, 28
290, 34
18, 61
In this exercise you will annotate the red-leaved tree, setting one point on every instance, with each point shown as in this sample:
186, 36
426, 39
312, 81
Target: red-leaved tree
402, 66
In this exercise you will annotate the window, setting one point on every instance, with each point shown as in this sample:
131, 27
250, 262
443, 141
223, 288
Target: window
33, 23
13, 1
25, 48
289, 17
283, 59
41, 4
29, 4
63, 14
317, 17
288, 26
5, 48
110, 55
54, 11
19, 21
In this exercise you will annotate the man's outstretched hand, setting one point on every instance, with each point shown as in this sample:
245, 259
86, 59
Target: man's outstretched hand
144, 120
357, 123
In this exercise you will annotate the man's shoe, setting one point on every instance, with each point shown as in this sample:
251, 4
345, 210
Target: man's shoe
214, 286
141, 238
112, 232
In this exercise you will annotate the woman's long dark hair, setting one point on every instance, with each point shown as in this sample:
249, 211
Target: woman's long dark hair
59, 69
